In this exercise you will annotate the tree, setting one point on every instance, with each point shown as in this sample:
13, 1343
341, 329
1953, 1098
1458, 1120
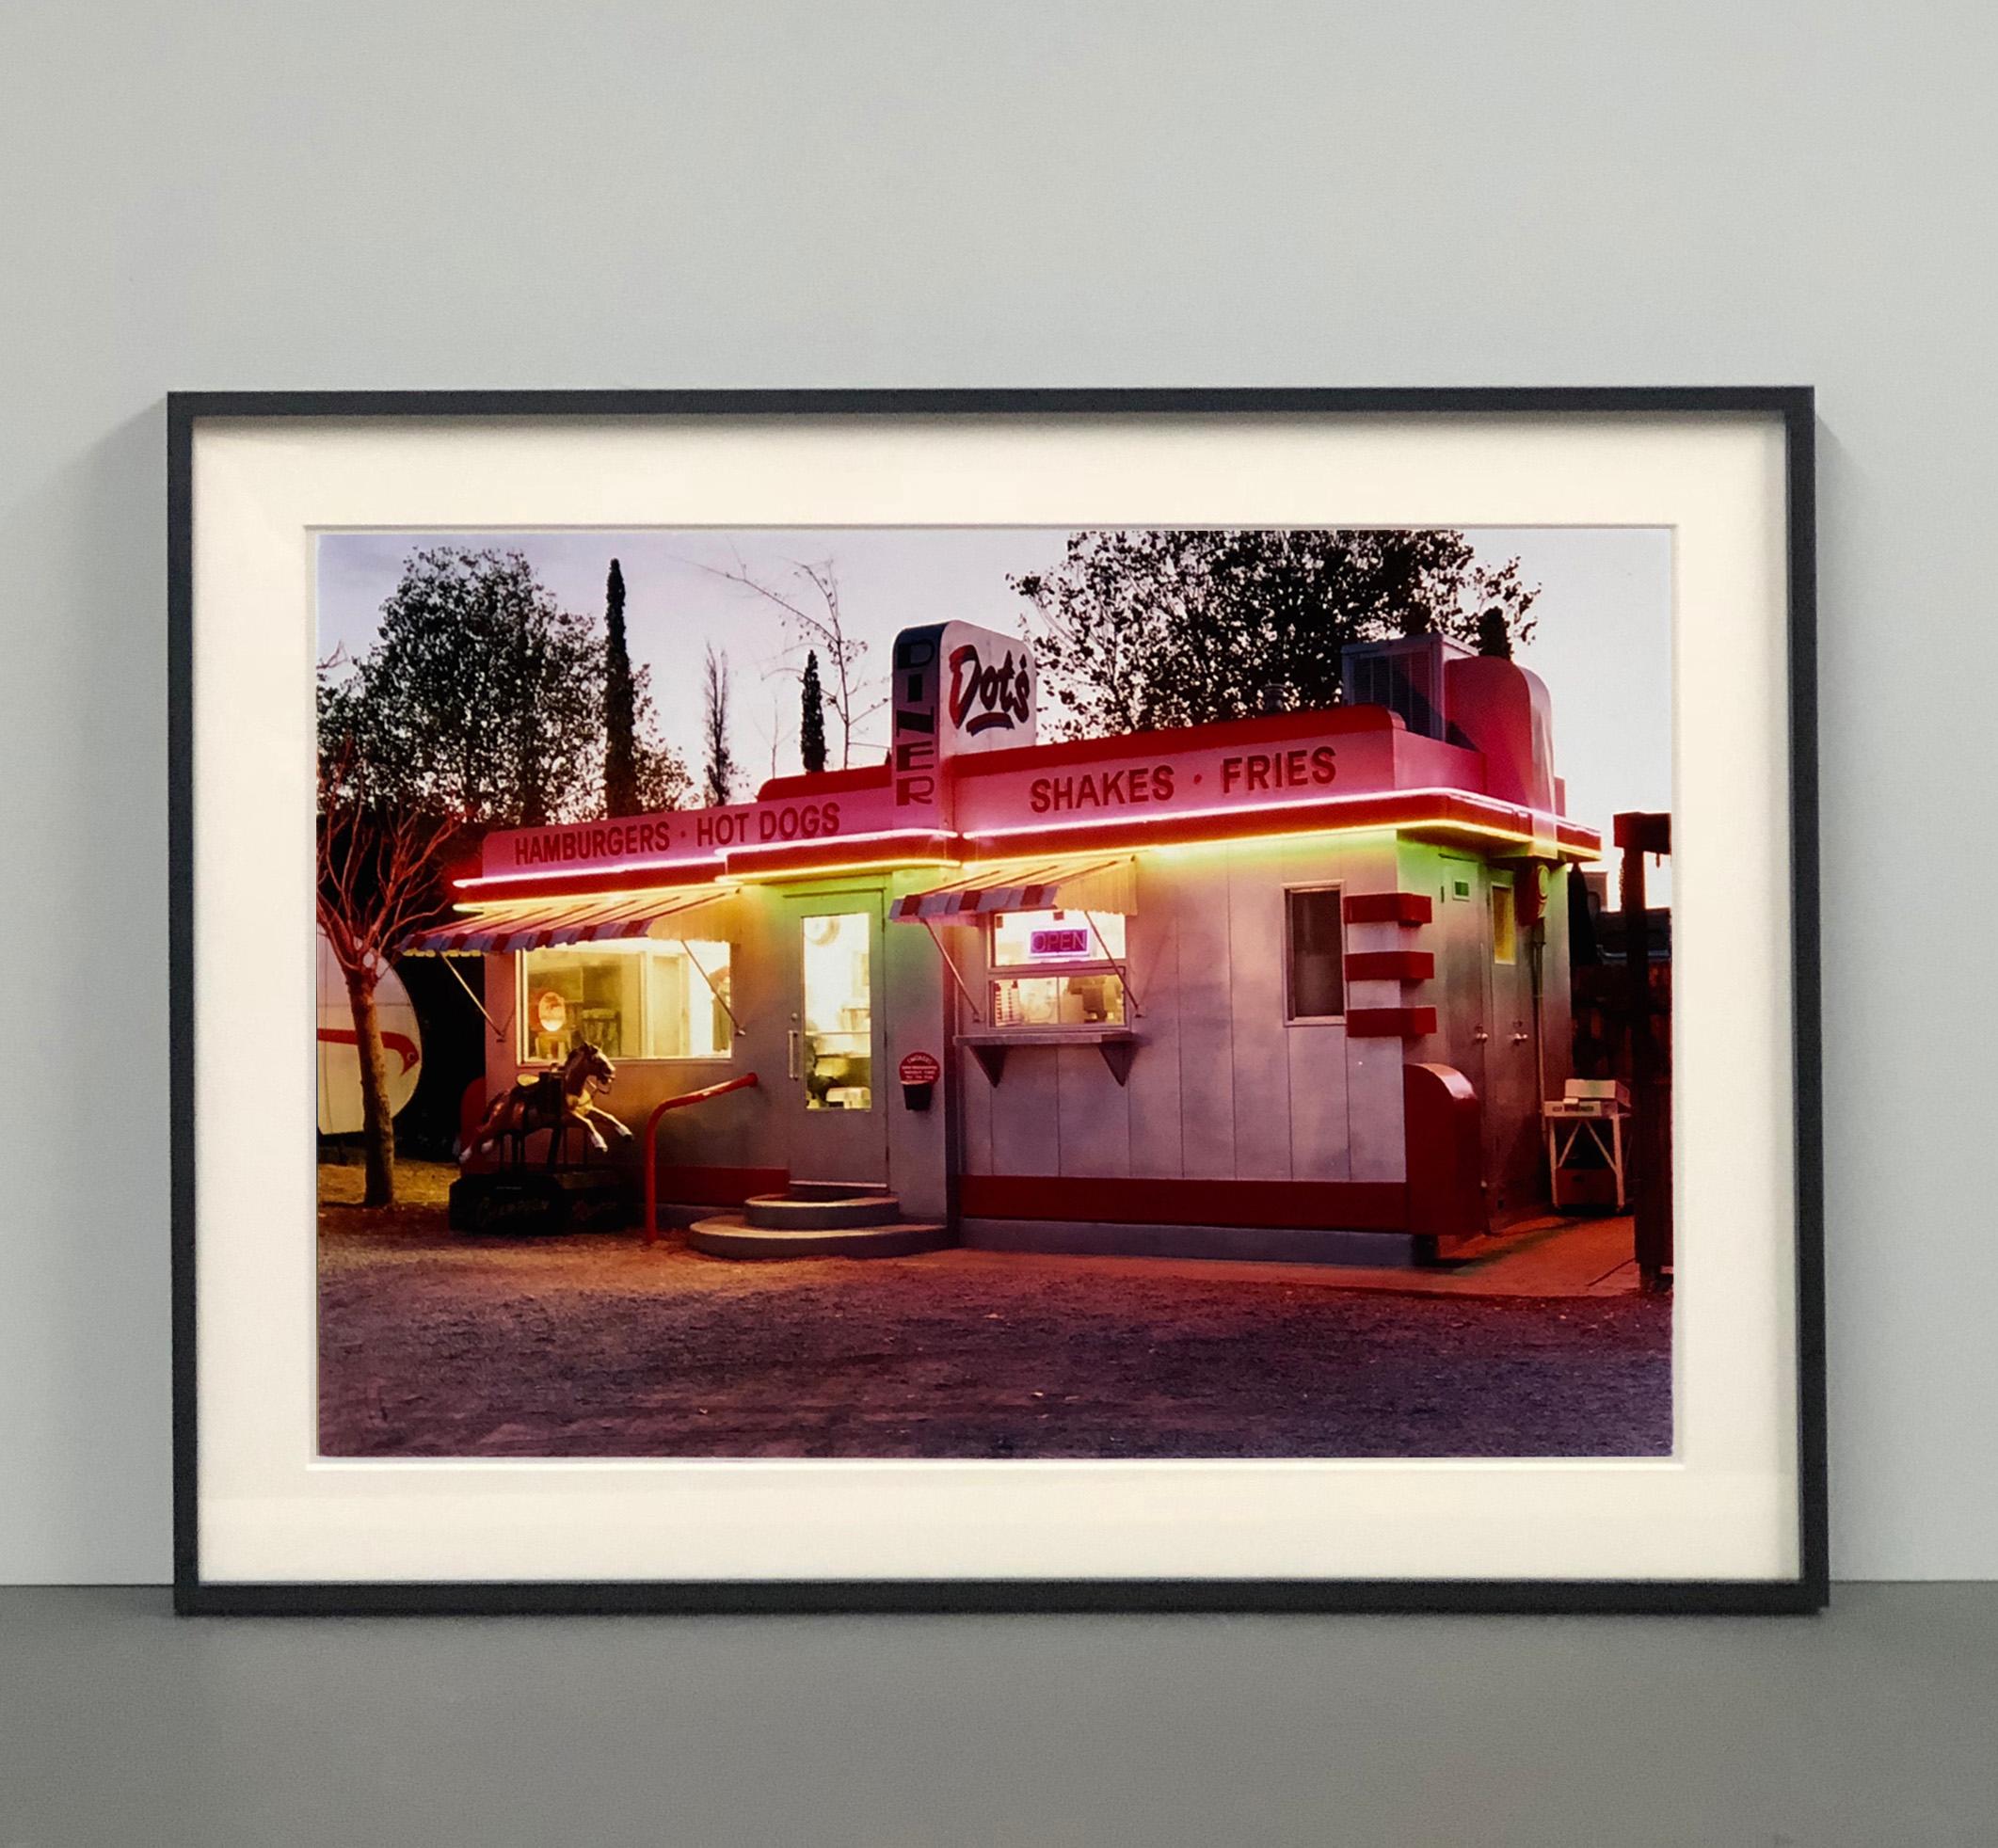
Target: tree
811, 721
483, 699
718, 775
1141, 629
379, 880
1493, 637
480, 696
620, 707
661, 779
813, 613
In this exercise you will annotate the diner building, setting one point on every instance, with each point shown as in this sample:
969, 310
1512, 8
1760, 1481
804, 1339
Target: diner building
1286, 986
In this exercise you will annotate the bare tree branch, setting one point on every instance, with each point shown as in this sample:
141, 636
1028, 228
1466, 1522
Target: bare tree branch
819, 623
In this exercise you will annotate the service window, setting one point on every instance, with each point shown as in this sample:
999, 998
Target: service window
639, 999
1057, 968
1504, 923
1315, 954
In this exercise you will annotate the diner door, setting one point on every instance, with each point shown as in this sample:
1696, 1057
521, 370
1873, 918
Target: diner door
1513, 1119
1464, 968
836, 1095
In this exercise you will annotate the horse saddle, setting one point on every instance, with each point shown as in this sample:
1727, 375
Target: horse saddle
541, 1093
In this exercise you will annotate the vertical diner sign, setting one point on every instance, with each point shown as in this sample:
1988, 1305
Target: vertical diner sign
913, 767
958, 689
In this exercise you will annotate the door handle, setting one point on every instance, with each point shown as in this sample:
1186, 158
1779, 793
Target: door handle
794, 1054
1480, 1037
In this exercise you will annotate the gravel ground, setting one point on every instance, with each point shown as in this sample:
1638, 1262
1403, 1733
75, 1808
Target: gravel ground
432, 1344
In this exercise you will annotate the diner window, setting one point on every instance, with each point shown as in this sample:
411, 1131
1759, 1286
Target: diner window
1504, 923
640, 999
1094, 999
1315, 954
838, 1011
1062, 969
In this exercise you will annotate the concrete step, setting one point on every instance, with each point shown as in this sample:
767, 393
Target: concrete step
729, 1236
788, 1212
835, 1189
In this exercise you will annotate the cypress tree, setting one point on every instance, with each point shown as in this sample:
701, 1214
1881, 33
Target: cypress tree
718, 773
811, 721
620, 707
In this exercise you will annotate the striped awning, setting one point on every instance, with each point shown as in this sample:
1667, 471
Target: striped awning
1108, 884
694, 911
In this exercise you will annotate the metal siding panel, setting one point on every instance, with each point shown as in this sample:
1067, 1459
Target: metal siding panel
1207, 1026
498, 982
1319, 1150
975, 1113
1152, 944
1422, 870
913, 998
1258, 1046
1026, 1134
1373, 1067
1373, 1097
1093, 1114
979, 1101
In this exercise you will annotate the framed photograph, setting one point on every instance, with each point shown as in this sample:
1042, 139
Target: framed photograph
996, 1000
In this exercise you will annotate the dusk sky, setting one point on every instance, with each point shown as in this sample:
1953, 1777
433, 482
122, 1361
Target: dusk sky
1603, 644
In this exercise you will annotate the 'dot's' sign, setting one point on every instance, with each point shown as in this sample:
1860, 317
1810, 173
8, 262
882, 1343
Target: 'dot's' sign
954, 689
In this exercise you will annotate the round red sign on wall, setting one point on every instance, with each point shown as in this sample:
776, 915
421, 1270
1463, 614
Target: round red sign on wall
919, 1068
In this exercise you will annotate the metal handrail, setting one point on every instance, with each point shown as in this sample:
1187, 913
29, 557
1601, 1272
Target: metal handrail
686, 1097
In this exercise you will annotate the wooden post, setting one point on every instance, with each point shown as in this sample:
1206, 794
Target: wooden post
1650, 1166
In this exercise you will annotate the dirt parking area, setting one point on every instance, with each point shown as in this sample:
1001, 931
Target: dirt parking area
433, 1344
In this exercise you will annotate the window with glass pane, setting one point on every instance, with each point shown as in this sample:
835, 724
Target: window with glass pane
640, 999
1316, 936
1091, 999
1056, 936
838, 1016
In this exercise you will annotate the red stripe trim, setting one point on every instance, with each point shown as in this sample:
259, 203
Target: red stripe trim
1390, 965
1349, 1205
1388, 908
401, 1044
718, 1187
1389, 1023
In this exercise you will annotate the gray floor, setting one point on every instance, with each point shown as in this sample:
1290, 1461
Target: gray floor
1876, 1724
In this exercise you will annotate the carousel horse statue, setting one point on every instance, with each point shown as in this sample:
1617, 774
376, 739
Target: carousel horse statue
555, 1100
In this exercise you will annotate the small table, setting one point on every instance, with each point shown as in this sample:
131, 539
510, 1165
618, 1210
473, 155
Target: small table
1568, 1120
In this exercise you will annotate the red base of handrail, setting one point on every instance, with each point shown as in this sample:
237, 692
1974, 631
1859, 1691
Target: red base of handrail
686, 1097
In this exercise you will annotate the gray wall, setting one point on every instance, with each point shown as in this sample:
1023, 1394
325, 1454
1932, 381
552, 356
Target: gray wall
374, 194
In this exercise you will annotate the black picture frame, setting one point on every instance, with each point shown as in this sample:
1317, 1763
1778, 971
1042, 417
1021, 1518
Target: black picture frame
1806, 1592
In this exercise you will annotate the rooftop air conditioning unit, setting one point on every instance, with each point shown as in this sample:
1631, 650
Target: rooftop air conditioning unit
1406, 676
